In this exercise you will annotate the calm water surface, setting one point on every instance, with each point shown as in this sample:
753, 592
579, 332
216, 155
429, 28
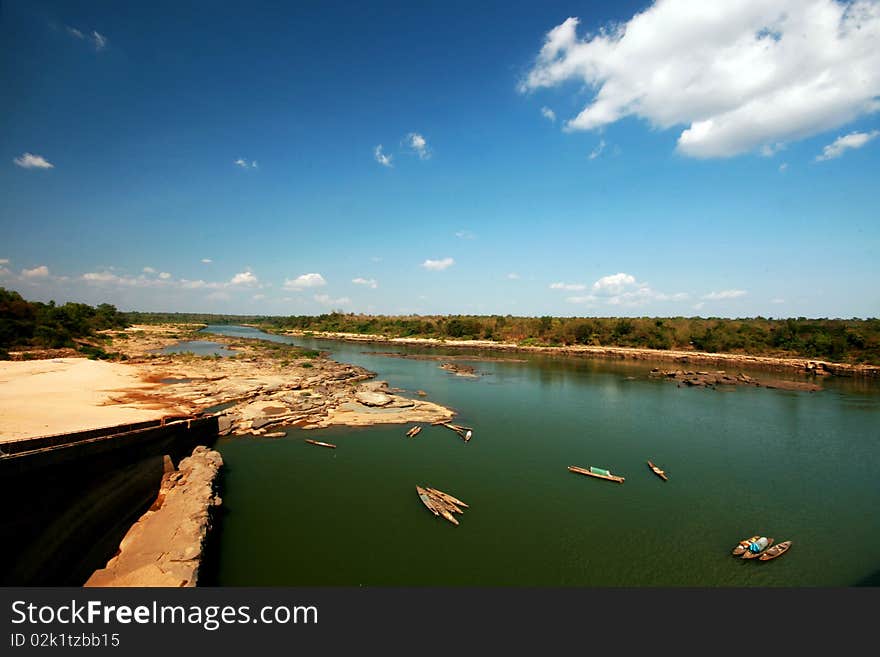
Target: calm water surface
792, 465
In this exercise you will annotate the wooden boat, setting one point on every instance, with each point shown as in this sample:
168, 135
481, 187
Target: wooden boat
743, 544
748, 554
657, 471
599, 473
414, 431
319, 443
776, 551
447, 497
426, 500
440, 503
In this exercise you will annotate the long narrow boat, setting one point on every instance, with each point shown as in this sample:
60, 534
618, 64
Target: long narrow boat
776, 551
657, 471
319, 443
762, 544
744, 544
414, 431
599, 473
426, 500
447, 497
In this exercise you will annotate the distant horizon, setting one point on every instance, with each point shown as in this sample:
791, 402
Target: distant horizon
607, 159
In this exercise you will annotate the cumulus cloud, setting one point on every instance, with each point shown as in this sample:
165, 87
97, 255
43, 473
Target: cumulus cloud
243, 278
326, 300
842, 144
369, 282
36, 273
615, 283
417, 143
465, 235
724, 294
149, 270
206, 261
573, 287
739, 75
548, 114
619, 289
31, 161
438, 265
304, 281
381, 158
243, 163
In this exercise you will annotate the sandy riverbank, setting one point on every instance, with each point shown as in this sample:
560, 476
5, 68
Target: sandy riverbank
265, 386
804, 365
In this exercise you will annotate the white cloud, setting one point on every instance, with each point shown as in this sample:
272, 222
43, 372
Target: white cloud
259, 297
783, 167
841, 144
4, 261
37, 272
369, 282
381, 158
99, 40
75, 32
777, 300
243, 278
30, 161
207, 261
416, 142
740, 75
4, 272
596, 152
513, 276
614, 284
724, 294
325, 300
149, 270
243, 163
376, 259
164, 275
465, 235
548, 113
585, 299
101, 277
573, 287
438, 265
304, 281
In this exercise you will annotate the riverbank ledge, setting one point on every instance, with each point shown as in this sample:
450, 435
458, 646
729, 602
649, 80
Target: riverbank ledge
165, 547
805, 366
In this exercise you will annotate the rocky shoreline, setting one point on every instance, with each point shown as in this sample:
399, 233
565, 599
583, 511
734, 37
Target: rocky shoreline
804, 366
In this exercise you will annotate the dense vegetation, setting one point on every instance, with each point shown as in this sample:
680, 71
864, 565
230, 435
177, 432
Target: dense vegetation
35, 325
840, 340
25, 324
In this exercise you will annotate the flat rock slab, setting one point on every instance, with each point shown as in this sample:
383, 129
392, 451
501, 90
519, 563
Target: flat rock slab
368, 398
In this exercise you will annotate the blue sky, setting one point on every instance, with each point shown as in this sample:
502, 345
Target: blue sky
589, 159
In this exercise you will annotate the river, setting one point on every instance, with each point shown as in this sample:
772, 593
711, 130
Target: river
796, 466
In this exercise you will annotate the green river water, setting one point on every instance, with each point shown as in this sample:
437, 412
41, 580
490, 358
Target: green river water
795, 466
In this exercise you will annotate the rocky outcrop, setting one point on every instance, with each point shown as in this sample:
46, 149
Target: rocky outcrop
166, 545
691, 378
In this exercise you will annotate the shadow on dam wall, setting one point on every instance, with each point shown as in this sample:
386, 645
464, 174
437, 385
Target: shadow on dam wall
68, 500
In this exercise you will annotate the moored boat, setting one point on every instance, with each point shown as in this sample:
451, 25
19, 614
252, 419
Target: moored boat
657, 471
757, 547
426, 500
775, 551
447, 497
319, 443
600, 473
743, 545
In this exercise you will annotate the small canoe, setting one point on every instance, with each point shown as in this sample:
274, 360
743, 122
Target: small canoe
775, 551
743, 544
319, 443
447, 497
426, 500
414, 431
599, 473
757, 547
657, 471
